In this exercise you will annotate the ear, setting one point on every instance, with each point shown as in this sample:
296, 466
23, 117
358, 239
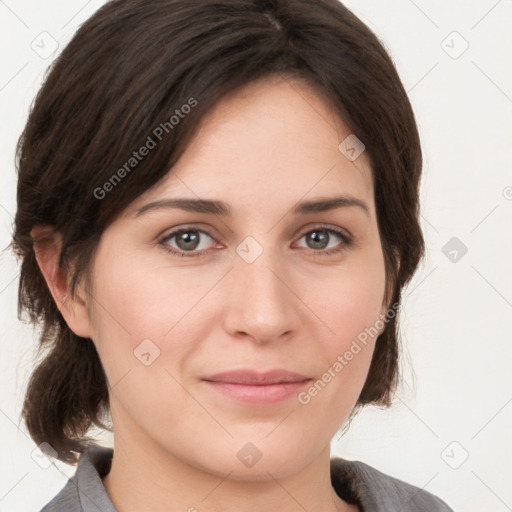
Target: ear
47, 248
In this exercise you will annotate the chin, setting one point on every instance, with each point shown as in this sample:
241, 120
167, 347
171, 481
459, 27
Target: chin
260, 461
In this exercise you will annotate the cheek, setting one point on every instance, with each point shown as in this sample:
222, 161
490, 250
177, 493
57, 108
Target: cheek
349, 300
126, 310
135, 301
349, 304
350, 309
139, 300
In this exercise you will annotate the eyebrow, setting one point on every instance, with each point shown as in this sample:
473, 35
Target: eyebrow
213, 207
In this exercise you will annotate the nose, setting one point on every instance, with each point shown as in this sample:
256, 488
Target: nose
261, 303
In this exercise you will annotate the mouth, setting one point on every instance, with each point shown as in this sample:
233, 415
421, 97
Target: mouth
256, 388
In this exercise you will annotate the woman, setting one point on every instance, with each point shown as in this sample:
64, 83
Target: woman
217, 213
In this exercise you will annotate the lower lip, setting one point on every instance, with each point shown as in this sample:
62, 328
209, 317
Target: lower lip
258, 394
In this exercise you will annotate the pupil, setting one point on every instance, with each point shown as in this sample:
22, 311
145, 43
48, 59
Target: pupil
319, 237
187, 239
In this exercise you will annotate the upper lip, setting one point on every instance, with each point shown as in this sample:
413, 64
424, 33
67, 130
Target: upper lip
249, 376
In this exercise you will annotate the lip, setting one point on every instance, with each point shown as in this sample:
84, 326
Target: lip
253, 377
257, 388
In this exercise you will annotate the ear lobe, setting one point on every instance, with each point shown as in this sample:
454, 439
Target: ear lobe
47, 248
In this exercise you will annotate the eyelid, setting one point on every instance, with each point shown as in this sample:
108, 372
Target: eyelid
320, 225
207, 230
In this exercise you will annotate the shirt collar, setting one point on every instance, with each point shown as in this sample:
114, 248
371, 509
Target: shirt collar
94, 464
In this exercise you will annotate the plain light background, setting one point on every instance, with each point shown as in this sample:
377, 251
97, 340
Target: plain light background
449, 428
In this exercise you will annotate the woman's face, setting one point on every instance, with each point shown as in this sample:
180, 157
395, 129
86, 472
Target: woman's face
265, 288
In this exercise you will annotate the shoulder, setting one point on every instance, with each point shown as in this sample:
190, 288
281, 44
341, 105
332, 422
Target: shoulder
376, 491
84, 492
67, 499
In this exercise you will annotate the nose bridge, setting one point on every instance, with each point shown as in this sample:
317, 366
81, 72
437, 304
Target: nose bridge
261, 304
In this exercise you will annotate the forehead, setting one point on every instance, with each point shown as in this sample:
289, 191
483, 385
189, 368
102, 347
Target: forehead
272, 141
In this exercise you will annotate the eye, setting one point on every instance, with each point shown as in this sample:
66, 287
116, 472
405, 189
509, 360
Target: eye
321, 236
188, 241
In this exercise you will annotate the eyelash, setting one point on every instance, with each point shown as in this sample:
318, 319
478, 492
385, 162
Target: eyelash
346, 242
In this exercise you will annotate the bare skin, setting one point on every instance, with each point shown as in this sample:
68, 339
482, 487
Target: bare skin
263, 150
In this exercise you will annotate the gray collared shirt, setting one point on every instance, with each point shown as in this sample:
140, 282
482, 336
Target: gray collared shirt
354, 481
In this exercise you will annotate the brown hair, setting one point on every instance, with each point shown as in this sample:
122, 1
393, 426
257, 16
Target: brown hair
124, 73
